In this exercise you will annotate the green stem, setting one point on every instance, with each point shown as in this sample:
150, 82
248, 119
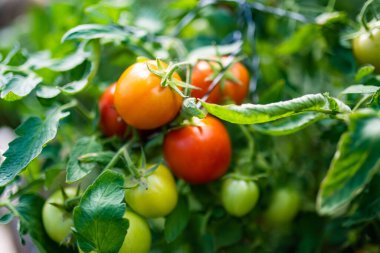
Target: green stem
362, 13
84, 111
69, 105
116, 157
131, 167
361, 102
9, 205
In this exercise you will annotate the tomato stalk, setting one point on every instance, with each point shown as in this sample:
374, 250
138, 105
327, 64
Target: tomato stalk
6, 203
362, 14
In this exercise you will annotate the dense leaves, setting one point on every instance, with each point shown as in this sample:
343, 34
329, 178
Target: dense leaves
311, 95
355, 162
34, 133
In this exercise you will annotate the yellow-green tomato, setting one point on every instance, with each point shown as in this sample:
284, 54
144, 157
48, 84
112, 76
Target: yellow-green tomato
158, 198
56, 221
138, 238
283, 207
366, 46
239, 196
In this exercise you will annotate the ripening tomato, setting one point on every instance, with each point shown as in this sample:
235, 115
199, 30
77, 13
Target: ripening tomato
239, 196
56, 221
138, 238
366, 46
155, 199
141, 101
198, 153
283, 207
110, 121
202, 78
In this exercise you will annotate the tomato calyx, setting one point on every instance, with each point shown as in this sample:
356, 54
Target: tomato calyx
167, 78
69, 203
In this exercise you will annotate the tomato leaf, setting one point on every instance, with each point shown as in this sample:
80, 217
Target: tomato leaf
43, 91
30, 210
290, 124
93, 31
354, 164
360, 89
103, 157
363, 72
6, 218
76, 86
75, 169
254, 114
98, 220
368, 213
177, 220
17, 86
34, 134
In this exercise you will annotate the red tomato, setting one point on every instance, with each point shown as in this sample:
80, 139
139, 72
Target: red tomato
141, 101
202, 78
110, 121
198, 154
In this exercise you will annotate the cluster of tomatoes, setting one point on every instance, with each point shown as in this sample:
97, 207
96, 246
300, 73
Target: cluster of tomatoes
197, 152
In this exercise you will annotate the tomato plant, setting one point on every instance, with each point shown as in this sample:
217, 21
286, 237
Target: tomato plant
156, 196
239, 196
268, 91
234, 86
57, 221
366, 45
140, 99
198, 153
110, 121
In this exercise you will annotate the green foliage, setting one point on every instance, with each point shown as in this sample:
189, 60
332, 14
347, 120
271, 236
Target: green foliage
355, 163
177, 221
34, 133
98, 218
29, 210
253, 114
308, 100
75, 169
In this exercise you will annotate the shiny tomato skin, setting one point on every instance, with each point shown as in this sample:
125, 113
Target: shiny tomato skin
110, 121
158, 199
366, 46
231, 90
239, 196
141, 101
138, 238
56, 222
198, 154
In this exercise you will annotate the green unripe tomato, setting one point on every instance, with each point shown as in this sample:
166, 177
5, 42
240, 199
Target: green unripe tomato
366, 46
158, 199
283, 207
239, 196
138, 238
57, 222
